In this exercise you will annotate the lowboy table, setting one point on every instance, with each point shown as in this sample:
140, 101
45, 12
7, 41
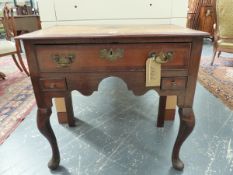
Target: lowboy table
66, 58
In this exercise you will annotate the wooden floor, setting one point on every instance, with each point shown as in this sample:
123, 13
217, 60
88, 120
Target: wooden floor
116, 135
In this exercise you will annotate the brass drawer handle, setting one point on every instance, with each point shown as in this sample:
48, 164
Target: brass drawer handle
208, 12
63, 60
173, 83
53, 85
111, 55
162, 57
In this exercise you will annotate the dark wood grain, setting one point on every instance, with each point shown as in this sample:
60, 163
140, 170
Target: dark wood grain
201, 15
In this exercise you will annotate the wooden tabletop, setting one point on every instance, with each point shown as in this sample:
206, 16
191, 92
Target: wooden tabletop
95, 31
23, 16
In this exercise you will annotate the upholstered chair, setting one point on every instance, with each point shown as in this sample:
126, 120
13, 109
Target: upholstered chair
223, 40
8, 46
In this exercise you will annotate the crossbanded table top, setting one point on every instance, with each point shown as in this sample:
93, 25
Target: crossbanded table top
96, 31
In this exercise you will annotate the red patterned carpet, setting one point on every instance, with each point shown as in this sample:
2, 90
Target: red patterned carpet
16, 97
218, 79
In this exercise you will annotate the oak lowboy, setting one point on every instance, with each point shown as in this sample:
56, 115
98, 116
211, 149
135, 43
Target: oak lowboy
66, 58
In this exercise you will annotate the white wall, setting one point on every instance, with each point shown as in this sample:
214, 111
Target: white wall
68, 12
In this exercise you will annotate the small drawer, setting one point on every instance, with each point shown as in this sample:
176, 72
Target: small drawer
173, 83
53, 84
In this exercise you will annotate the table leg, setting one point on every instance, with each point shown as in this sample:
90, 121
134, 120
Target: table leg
167, 109
161, 113
187, 123
43, 124
22, 64
65, 110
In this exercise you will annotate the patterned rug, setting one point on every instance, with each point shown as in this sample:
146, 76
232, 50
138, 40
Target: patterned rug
218, 79
16, 97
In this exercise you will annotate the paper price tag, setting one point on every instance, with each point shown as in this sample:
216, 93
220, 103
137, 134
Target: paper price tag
153, 73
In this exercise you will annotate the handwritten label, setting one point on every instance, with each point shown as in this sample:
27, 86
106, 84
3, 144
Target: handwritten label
153, 73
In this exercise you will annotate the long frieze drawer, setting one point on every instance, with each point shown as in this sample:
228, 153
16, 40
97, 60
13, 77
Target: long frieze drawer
49, 84
176, 83
75, 58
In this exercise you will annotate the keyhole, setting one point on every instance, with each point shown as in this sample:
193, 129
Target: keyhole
150, 5
75, 6
111, 52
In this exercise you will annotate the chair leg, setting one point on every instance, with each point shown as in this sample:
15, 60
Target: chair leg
22, 64
2, 75
212, 62
219, 53
16, 63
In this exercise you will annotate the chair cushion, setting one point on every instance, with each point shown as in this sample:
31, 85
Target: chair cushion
7, 46
226, 43
224, 18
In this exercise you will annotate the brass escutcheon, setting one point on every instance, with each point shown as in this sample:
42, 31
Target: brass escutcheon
63, 60
111, 55
162, 57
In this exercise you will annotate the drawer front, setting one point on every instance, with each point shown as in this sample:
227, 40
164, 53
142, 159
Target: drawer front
55, 84
76, 58
173, 83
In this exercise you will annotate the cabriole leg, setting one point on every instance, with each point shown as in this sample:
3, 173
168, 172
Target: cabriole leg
43, 124
187, 123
